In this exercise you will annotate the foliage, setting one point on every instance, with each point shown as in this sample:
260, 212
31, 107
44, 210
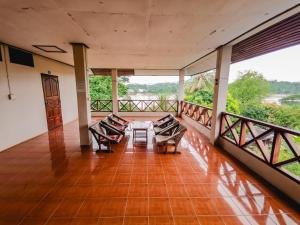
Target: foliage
256, 111
286, 116
203, 81
199, 89
162, 101
232, 105
203, 97
101, 87
284, 87
250, 88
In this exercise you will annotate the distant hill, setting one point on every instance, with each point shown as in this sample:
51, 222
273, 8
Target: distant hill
284, 87
277, 87
160, 88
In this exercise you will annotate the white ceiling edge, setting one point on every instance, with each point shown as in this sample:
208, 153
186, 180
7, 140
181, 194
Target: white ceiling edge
202, 65
208, 62
156, 72
266, 25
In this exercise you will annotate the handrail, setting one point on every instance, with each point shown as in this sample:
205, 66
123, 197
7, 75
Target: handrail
264, 123
147, 105
274, 145
100, 105
198, 113
202, 106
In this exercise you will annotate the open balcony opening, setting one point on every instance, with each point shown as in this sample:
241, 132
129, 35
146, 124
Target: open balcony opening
157, 112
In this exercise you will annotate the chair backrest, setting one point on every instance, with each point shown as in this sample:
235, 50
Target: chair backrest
167, 122
113, 120
110, 117
107, 120
112, 126
108, 128
170, 128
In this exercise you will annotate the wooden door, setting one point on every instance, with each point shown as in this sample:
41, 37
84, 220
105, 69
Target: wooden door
52, 101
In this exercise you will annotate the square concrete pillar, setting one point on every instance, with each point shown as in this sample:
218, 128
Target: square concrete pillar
114, 74
181, 85
82, 88
220, 90
180, 89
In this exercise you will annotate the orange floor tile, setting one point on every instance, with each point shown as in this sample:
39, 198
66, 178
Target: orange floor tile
50, 180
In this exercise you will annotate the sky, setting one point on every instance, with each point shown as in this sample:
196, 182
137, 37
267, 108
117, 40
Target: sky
281, 65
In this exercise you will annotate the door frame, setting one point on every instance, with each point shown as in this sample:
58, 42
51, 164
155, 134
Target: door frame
44, 96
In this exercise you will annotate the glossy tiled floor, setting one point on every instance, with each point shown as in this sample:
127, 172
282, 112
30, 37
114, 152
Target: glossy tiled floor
50, 180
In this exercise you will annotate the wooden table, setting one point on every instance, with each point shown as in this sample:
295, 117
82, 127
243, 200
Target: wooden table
140, 130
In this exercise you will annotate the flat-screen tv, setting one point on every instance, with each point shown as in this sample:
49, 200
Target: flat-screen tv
21, 57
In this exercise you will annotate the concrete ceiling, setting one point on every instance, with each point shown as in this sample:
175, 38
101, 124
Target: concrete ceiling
143, 34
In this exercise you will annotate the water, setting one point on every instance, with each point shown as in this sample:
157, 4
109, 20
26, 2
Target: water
274, 99
146, 96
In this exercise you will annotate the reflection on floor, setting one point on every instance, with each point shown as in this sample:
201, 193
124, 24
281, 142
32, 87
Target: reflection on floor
50, 180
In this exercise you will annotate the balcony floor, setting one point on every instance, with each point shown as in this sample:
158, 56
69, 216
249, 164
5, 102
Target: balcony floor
50, 180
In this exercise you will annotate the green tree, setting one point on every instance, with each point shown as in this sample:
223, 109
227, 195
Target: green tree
250, 88
232, 105
285, 115
257, 112
101, 88
199, 89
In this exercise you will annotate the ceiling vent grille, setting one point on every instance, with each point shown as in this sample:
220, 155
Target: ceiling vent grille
49, 48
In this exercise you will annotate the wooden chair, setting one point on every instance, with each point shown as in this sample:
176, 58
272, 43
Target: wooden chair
162, 120
104, 135
164, 123
170, 137
118, 120
114, 126
170, 125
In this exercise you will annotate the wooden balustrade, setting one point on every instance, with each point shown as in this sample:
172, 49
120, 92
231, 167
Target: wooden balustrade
277, 146
101, 106
200, 114
148, 105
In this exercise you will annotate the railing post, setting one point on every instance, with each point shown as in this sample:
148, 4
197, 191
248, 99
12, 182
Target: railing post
220, 90
243, 133
114, 74
275, 148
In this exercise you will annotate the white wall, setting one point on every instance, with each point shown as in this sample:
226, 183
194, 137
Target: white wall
25, 116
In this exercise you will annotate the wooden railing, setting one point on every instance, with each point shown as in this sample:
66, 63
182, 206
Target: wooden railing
148, 105
200, 114
277, 146
101, 106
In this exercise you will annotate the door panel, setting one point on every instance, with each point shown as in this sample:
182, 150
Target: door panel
52, 101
